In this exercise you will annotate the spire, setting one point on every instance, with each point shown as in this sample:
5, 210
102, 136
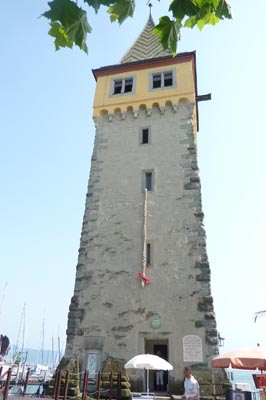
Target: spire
146, 46
150, 5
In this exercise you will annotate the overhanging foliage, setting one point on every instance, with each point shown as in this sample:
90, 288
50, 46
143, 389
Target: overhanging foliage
69, 23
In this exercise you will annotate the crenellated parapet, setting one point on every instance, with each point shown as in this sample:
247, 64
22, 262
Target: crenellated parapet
144, 109
148, 106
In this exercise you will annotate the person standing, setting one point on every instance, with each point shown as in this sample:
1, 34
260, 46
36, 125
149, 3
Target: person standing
159, 380
159, 374
191, 386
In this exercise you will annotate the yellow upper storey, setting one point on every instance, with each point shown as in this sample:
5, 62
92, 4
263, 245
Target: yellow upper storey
176, 82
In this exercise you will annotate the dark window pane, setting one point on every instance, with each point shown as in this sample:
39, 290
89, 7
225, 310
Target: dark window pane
168, 79
148, 253
117, 87
128, 85
145, 135
156, 81
148, 181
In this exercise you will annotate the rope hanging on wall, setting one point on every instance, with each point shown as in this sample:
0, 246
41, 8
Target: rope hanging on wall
142, 276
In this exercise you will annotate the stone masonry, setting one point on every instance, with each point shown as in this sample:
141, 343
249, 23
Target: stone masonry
110, 312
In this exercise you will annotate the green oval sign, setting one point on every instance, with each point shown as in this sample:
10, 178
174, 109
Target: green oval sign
155, 322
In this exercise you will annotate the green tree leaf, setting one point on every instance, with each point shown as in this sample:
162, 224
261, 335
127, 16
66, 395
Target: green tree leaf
73, 22
121, 9
61, 37
224, 10
191, 22
210, 19
97, 3
168, 32
200, 12
182, 8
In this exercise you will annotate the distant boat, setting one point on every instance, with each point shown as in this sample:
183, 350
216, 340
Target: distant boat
38, 372
42, 372
6, 366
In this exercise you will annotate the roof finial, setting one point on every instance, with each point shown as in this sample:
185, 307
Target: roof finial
150, 5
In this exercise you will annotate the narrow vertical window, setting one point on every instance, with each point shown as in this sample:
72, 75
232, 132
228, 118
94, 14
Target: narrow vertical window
168, 79
145, 135
156, 81
128, 85
148, 254
148, 181
118, 86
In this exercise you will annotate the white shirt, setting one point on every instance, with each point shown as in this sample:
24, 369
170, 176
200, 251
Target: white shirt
191, 388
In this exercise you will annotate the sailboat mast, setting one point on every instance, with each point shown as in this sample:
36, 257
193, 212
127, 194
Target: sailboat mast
53, 351
23, 331
59, 350
22, 321
3, 298
43, 341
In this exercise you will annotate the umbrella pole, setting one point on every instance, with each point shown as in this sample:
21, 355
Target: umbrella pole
147, 382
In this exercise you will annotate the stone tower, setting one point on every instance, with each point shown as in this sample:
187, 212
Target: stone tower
143, 277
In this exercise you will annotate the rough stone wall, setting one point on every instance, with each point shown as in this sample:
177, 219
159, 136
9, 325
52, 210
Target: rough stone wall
110, 311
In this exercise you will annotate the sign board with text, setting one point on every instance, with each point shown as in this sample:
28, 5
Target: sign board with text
192, 349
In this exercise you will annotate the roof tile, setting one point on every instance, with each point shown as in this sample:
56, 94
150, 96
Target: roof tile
146, 46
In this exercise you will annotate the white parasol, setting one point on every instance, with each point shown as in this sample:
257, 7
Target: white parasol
148, 361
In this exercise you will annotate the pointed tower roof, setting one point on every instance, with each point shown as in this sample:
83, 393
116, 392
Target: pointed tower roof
146, 46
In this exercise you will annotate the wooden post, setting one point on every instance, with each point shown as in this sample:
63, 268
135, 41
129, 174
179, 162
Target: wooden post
26, 382
55, 382
8, 379
111, 385
57, 385
99, 385
119, 386
88, 383
66, 385
85, 385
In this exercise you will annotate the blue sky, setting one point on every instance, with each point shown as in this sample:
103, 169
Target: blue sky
47, 136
